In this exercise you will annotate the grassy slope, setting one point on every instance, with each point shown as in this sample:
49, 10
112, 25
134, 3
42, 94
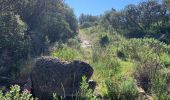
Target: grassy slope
103, 67
112, 74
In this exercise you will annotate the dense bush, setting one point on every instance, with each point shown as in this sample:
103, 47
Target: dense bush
159, 87
74, 43
14, 43
121, 89
142, 47
16, 94
87, 21
29, 28
86, 25
104, 40
147, 19
147, 54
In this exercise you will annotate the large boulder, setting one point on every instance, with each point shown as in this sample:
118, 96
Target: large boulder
51, 75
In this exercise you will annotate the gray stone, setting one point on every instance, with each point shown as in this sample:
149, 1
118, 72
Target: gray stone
51, 75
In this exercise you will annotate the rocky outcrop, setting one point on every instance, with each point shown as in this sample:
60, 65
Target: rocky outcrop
51, 75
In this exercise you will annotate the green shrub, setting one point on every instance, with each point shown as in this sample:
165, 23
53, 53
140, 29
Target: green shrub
16, 94
14, 44
112, 89
73, 43
140, 46
128, 89
121, 89
86, 25
104, 40
165, 59
159, 87
147, 53
150, 57
86, 93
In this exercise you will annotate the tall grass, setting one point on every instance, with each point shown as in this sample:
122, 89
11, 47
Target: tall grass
116, 76
66, 53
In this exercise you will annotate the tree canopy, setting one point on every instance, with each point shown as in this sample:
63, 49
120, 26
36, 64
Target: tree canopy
147, 19
86, 21
29, 27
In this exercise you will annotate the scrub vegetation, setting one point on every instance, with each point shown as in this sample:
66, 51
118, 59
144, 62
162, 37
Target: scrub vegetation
129, 49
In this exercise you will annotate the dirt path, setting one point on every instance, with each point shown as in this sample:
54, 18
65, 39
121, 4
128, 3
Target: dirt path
84, 41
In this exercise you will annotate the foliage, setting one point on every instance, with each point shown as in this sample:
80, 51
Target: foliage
165, 59
74, 43
29, 27
146, 24
142, 47
86, 25
159, 87
54, 22
105, 58
85, 91
167, 4
104, 40
14, 43
148, 54
87, 21
16, 94
141, 61
66, 53
122, 89
147, 19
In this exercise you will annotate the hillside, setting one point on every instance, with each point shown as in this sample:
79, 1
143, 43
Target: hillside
47, 53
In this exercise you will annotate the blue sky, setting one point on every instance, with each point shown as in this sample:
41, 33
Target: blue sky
97, 7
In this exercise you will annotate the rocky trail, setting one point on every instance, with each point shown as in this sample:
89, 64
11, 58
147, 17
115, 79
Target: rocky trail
84, 41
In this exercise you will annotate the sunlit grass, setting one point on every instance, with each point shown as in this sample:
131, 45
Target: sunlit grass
67, 54
114, 75
127, 68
